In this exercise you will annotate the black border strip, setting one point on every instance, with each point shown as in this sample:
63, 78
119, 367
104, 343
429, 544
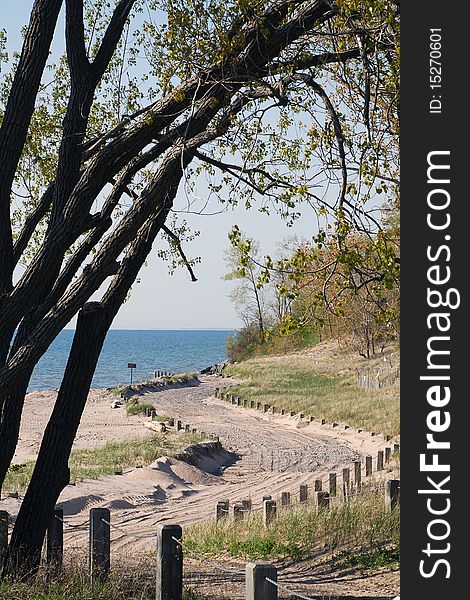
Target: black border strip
433, 120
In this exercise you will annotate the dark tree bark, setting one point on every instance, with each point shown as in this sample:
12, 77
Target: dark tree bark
16, 120
47, 482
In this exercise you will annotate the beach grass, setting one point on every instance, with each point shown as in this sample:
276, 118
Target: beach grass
75, 584
358, 531
113, 457
138, 408
321, 386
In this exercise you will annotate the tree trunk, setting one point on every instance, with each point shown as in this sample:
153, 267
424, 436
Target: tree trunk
10, 427
51, 473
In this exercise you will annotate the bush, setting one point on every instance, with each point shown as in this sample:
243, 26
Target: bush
243, 344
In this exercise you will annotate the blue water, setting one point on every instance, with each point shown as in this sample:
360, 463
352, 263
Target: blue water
176, 351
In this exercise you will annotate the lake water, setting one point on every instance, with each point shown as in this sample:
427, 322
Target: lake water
176, 351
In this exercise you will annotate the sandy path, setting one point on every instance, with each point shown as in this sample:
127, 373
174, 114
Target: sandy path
267, 454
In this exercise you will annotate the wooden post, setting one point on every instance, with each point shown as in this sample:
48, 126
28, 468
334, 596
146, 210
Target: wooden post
346, 482
269, 512
392, 494
266, 407
322, 422
99, 543
4, 517
258, 405
187, 428
221, 510
380, 460
169, 575
55, 541
292, 413
283, 412
332, 485
256, 581
238, 511
388, 454
285, 498
323, 500
396, 448
267, 498
368, 466
178, 426
247, 505
357, 473
303, 493
318, 485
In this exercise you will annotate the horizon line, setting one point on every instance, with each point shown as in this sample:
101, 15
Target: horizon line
166, 329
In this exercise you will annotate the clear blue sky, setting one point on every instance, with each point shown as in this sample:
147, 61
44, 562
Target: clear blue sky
163, 301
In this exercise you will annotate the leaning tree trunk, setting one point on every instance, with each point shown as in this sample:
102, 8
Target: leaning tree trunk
10, 426
51, 473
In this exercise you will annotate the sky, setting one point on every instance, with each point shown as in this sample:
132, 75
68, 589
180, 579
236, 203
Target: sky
161, 301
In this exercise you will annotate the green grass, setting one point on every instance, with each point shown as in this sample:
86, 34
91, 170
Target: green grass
138, 408
93, 463
323, 387
373, 558
300, 532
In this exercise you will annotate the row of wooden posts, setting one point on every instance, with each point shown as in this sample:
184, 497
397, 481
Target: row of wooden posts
260, 578
158, 374
180, 426
322, 500
223, 394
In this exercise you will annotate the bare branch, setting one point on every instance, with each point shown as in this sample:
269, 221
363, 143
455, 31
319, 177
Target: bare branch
338, 132
177, 243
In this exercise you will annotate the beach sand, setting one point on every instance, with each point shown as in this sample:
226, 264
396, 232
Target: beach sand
263, 454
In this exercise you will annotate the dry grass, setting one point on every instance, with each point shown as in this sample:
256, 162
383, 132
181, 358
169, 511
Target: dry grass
125, 583
322, 382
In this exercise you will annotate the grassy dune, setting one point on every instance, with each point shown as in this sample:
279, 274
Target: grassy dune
93, 463
322, 383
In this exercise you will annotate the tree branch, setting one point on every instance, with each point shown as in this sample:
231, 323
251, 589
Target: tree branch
338, 133
177, 243
75, 38
31, 222
112, 36
17, 117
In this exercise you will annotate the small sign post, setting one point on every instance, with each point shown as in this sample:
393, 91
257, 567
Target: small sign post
131, 366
